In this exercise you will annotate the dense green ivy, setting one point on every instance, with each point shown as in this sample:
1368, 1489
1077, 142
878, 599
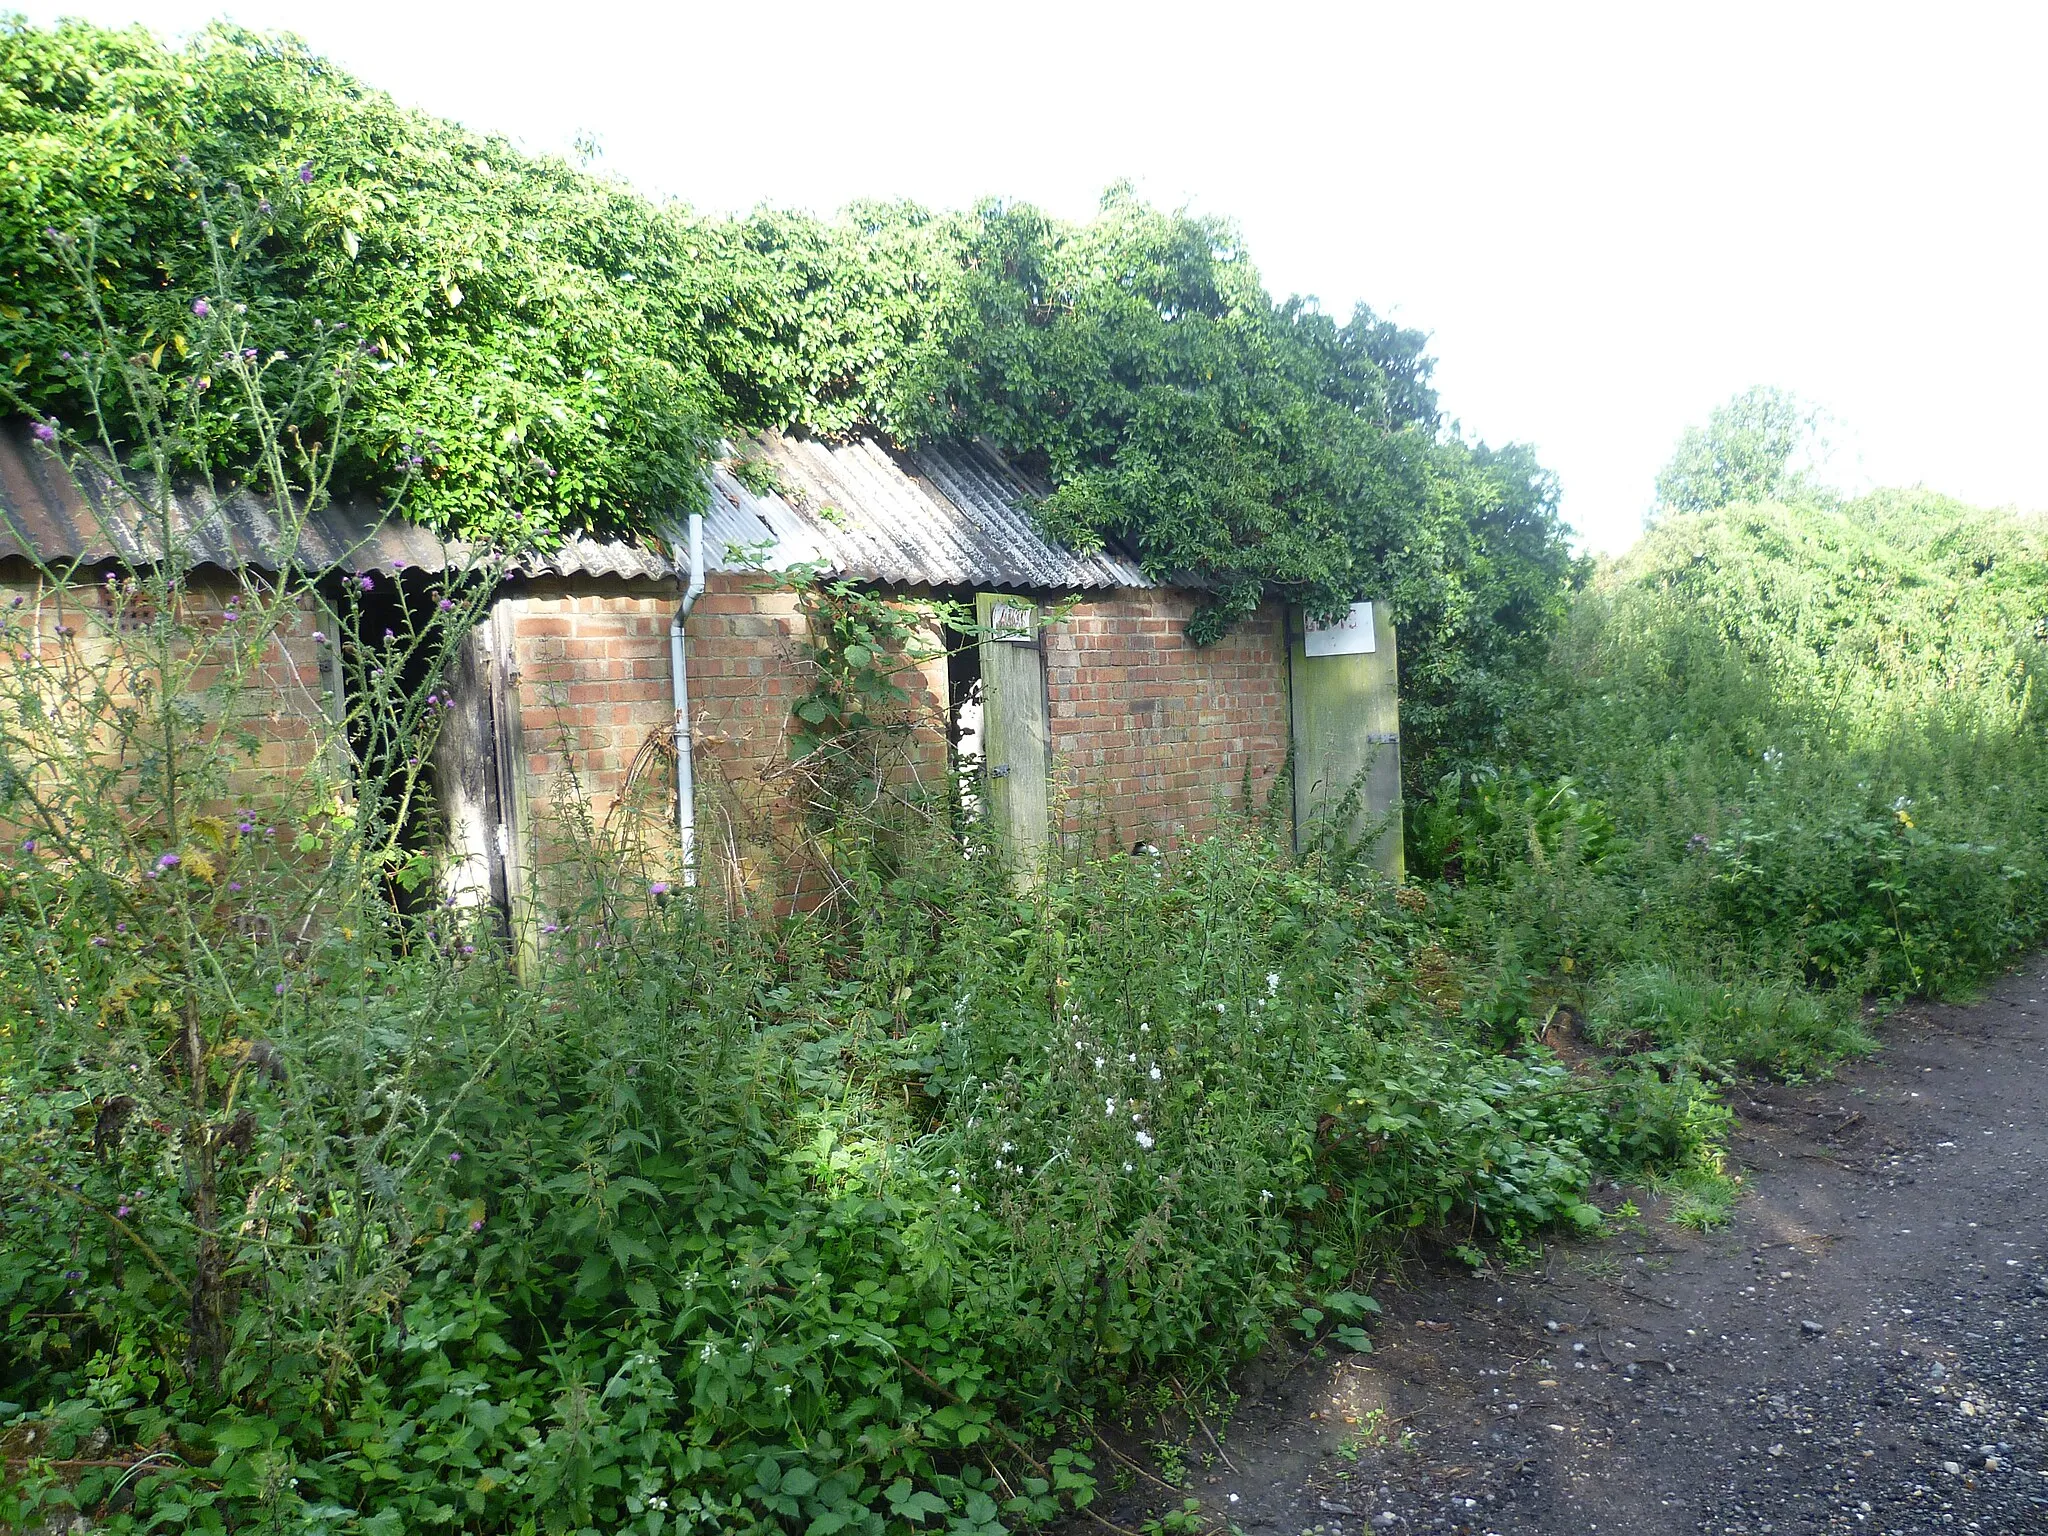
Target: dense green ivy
560, 352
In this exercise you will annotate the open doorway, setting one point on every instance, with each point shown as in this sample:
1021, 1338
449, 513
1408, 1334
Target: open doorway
964, 725
385, 682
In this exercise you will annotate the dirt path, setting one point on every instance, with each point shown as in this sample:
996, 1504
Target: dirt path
1865, 1347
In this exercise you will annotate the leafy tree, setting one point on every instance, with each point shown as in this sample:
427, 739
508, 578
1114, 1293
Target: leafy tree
1744, 453
522, 315
552, 352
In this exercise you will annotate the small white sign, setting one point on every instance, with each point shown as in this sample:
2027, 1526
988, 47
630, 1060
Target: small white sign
1351, 635
1015, 622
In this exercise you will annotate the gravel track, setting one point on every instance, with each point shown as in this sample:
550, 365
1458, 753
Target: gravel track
1864, 1348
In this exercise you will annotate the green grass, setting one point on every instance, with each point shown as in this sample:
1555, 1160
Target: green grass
1748, 1024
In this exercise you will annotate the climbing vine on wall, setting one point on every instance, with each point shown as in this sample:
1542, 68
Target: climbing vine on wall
550, 351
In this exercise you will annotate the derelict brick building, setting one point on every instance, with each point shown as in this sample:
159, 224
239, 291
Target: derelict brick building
1093, 719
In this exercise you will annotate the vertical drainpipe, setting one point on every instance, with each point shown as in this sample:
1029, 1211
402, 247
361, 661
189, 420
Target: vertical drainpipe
679, 691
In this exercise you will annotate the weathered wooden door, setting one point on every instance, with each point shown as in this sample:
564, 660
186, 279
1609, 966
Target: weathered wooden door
1346, 721
1016, 733
467, 780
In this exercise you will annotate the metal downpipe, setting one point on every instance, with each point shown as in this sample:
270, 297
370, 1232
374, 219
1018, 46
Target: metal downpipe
679, 692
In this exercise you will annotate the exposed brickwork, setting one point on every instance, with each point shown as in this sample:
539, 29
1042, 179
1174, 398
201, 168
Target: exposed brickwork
1152, 736
590, 686
281, 701
594, 690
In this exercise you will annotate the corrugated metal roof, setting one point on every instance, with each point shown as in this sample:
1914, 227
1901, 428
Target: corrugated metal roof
953, 514
59, 516
949, 515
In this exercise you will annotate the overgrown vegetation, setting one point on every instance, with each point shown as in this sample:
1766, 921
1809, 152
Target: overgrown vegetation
550, 351
1796, 759
315, 1215
319, 1217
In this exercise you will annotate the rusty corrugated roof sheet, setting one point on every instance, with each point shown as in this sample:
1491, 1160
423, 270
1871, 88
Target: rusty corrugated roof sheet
952, 514
949, 515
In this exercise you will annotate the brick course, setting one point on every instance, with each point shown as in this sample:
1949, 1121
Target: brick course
282, 701
1152, 737
593, 690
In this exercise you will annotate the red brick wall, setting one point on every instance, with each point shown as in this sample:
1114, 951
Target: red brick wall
590, 683
1150, 735
281, 700
593, 689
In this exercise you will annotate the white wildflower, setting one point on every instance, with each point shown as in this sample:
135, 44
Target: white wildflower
1155, 1073
1145, 1140
1272, 981
1109, 1106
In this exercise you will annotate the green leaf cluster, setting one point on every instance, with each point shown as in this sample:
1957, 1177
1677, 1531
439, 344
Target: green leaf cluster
559, 353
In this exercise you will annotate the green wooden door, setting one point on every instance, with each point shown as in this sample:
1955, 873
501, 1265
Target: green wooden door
1346, 720
1016, 733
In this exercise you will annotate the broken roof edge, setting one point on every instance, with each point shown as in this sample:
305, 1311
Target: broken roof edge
59, 514
941, 515
946, 515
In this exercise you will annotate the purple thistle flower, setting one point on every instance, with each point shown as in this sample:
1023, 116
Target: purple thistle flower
477, 1225
45, 433
120, 1210
234, 885
366, 582
319, 638
98, 942
278, 989
454, 1157
263, 207
201, 308
447, 605
659, 888
169, 861
28, 845
306, 174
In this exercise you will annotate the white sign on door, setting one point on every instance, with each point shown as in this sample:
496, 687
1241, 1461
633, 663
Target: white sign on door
1015, 622
1351, 635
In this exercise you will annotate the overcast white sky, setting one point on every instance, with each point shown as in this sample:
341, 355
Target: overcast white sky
1608, 217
